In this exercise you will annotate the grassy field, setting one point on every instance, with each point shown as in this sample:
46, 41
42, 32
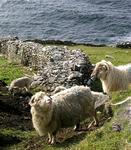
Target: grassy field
102, 138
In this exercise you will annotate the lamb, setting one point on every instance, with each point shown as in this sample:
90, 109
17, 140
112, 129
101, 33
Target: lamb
21, 83
113, 78
64, 109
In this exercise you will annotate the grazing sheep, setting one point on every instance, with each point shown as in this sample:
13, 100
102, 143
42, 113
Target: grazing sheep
64, 109
113, 78
20, 83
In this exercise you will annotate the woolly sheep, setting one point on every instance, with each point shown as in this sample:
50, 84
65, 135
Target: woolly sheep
20, 83
113, 78
64, 109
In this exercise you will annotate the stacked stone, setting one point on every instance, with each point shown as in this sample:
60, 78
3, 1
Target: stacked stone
62, 67
55, 65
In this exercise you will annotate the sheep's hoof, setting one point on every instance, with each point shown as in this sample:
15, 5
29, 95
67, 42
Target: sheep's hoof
96, 124
51, 141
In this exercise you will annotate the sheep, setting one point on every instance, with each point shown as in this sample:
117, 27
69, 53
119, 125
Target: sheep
20, 83
113, 78
62, 110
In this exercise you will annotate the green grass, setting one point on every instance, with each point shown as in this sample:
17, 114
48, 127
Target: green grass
103, 138
121, 56
9, 71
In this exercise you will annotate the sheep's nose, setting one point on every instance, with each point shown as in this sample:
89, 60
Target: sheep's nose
93, 77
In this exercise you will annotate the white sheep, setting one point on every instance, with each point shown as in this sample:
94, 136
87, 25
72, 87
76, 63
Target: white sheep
64, 109
21, 83
113, 78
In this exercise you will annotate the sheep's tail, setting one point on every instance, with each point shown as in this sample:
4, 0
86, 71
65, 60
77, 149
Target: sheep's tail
122, 102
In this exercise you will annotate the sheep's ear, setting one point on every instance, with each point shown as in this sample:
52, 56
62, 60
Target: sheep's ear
106, 66
32, 101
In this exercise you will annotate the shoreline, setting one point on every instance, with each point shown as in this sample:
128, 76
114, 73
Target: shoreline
55, 42
126, 44
61, 42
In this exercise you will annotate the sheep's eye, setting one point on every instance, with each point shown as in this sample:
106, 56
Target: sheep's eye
100, 68
38, 99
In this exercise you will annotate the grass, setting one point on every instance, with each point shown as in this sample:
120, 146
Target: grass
120, 56
10, 71
103, 138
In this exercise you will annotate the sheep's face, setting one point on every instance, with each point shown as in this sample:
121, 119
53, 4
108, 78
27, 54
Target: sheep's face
101, 70
104, 97
101, 99
40, 101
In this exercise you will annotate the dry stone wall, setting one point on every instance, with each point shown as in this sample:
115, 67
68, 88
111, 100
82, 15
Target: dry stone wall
55, 65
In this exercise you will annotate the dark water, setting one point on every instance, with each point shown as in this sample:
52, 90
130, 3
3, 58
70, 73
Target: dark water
90, 21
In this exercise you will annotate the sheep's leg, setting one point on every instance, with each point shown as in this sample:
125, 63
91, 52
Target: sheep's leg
96, 119
26, 89
51, 138
76, 127
95, 122
90, 125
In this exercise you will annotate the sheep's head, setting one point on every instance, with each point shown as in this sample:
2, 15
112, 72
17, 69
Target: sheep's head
101, 70
41, 101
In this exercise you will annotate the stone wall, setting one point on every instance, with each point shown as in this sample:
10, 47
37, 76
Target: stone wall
55, 65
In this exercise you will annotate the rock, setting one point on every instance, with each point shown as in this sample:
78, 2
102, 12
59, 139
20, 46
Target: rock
116, 127
124, 45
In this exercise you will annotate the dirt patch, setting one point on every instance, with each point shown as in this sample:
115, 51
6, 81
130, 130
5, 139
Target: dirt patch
8, 140
15, 112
